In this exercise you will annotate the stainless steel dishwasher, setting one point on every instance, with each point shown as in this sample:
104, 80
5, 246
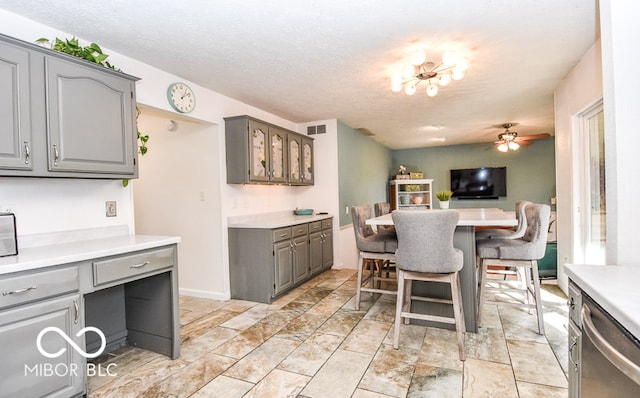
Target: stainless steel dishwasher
610, 355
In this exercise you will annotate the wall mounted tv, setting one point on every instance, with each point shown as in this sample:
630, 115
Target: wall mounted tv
479, 183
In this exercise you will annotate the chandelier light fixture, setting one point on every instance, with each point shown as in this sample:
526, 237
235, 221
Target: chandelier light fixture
453, 67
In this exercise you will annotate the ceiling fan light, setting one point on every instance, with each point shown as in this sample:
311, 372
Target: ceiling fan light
410, 89
432, 90
513, 145
457, 74
503, 147
418, 58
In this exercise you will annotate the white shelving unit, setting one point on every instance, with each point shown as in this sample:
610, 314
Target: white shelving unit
411, 194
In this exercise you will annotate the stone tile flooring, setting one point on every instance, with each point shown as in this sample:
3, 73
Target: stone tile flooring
312, 343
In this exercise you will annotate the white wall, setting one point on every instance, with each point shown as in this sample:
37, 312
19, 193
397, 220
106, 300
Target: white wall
621, 85
176, 170
581, 88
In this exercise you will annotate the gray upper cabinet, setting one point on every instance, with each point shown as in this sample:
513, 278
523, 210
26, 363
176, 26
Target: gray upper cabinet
91, 117
259, 152
15, 117
61, 116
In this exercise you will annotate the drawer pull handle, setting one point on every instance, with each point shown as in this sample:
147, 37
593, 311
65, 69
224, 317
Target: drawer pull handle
139, 265
19, 291
76, 308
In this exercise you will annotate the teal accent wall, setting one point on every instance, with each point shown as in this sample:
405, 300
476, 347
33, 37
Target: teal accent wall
530, 170
363, 168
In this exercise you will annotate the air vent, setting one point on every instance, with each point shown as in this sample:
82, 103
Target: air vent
320, 129
311, 130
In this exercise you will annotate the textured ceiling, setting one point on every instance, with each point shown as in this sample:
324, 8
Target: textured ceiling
325, 59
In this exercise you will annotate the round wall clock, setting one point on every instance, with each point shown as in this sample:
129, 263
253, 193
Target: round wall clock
181, 97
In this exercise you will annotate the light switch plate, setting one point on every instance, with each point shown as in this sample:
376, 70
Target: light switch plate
111, 208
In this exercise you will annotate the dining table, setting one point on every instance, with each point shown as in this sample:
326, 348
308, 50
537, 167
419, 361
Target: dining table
464, 239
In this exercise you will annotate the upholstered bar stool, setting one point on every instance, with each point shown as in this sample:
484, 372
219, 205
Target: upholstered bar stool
512, 233
381, 209
426, 253
372, 247
522, 253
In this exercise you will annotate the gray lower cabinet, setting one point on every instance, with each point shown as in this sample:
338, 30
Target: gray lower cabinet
321, 245
30, 302
265, 263
61, 116
132, 298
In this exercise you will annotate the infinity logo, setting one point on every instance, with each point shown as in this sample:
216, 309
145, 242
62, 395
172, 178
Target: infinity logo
73, 344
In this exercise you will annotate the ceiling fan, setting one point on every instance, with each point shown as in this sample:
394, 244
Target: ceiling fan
509, 140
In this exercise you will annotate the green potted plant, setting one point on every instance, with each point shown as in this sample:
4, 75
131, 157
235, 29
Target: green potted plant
444, 197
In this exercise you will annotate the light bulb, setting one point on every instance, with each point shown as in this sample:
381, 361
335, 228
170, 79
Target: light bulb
410, 89
513, 145
457, 74
503, 147
396, 83
418, 58
409, 71
444, 80
449, 58
462, 64
432, 90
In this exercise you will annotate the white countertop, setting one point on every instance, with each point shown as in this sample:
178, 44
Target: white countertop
33, 257
614, 287
468, 217
273, 220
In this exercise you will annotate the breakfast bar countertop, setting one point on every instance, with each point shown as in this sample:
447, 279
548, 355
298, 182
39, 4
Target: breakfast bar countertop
614, 288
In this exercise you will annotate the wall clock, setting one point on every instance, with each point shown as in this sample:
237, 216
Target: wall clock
181, 97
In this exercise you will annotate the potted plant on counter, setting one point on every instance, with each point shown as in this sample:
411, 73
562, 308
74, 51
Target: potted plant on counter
444, 197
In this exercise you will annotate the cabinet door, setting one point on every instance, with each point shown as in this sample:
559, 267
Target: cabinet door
295, 158
25, 371
327, 249
316, 251
15, 109
278, 158
283, 262
300, 259
258, 155
307, 161
91, 120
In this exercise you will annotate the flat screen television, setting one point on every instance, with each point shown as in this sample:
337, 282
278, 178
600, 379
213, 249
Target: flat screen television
479, 183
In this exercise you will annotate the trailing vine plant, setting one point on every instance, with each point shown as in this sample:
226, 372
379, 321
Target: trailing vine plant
93, 53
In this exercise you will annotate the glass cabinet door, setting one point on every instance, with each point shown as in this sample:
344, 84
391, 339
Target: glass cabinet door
307, 160
258, 163
278, 170
295, 159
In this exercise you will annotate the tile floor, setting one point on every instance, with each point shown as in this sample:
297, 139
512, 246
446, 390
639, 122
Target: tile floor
312, 343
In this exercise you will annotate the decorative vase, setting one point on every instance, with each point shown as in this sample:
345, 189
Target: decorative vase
405, 199
444, 204
416, 200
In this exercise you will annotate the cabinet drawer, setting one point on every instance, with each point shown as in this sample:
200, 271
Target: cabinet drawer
281, 234
128, 266
575, 304
301, 229
315, 226
328, 223
38, 285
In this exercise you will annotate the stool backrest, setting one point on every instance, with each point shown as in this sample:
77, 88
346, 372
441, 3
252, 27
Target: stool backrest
425, 240
535, 235
380, 209
359, 216
521, 216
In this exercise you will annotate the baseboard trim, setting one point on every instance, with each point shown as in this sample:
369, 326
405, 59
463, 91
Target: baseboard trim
204, 294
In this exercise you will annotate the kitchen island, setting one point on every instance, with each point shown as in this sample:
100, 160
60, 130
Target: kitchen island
125, 286
464, 239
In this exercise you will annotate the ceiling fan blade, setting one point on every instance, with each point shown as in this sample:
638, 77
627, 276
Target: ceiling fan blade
524, 143
533, 137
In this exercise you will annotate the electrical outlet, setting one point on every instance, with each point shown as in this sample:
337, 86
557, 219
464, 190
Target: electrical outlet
111, 208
